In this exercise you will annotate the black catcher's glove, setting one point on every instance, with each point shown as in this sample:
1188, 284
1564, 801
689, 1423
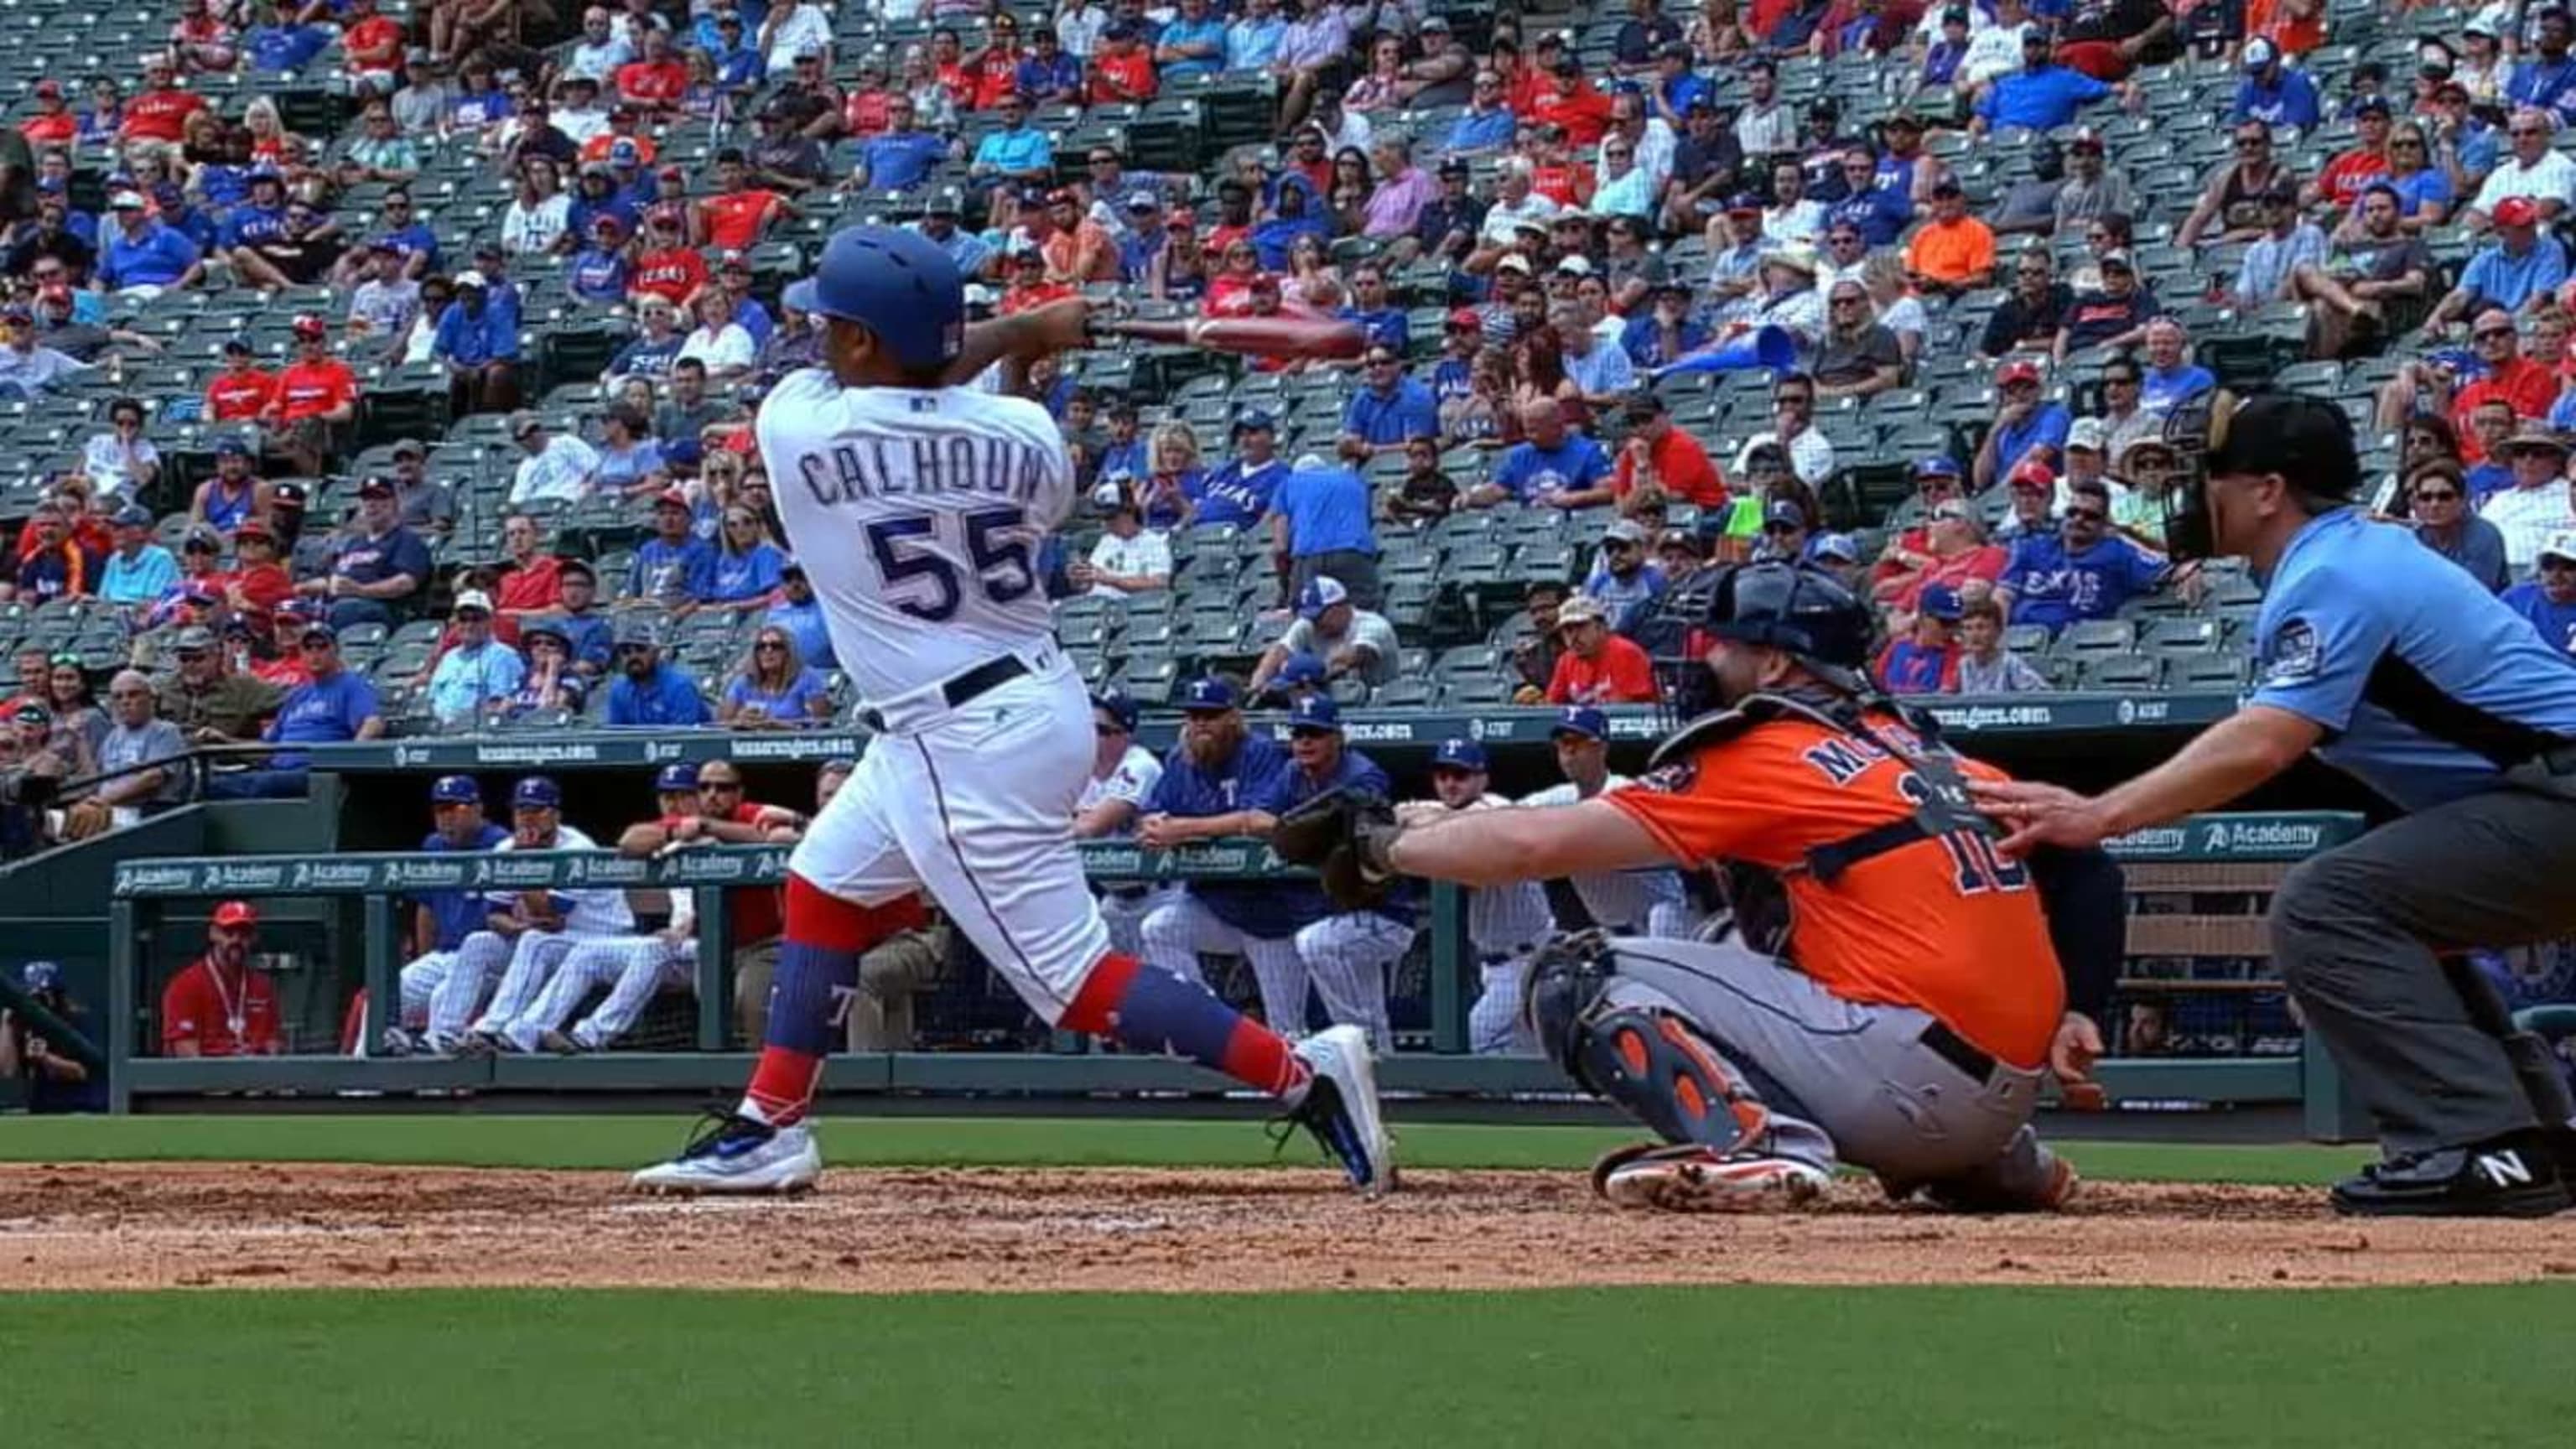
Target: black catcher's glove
1343, 836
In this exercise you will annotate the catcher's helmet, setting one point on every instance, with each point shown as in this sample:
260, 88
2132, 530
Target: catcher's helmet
1802, 611
900, 286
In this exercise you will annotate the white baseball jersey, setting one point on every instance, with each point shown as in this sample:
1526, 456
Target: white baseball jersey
1622, 900
594, 912
1132, 782
917, 515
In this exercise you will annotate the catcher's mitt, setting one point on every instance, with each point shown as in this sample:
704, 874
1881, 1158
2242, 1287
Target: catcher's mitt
1343, 836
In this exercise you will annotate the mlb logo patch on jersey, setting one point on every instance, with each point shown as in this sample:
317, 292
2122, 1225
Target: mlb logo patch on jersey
2296, 655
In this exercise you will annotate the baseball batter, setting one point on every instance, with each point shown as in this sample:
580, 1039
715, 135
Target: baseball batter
442, 919
918, 507
1506, 923
527, 935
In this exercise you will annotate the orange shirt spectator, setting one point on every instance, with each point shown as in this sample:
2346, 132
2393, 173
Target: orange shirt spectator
603, 147
2296, 26
2525, 384
1953, 251
734, 219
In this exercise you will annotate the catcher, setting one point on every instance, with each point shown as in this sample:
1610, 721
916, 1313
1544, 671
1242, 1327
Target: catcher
1889, 995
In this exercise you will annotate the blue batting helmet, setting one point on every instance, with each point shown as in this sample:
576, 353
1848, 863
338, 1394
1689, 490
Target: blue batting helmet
455, 790
899, 285
676, 776
537, 793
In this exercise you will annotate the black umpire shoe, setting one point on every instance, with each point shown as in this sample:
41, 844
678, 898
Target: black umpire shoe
2513, 1176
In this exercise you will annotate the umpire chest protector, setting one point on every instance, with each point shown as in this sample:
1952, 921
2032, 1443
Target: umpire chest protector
1935, 783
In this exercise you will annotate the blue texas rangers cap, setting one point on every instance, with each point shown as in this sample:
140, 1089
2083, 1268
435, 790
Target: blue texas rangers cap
1118, 705
1458, 754
1315, 714
1936, 465
1939, 601
230, 446
1321, 592
40, 975
455, 790
1581, 719
679, 775
897, 284
799, 295
1210, 693
1303, 668
536, 792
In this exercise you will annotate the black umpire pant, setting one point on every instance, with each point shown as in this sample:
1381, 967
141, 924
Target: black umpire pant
2355, 930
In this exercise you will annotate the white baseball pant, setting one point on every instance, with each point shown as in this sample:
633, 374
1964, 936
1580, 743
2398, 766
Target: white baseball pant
1182, 929
420, 980
975, 807
1350, 957
1505, 923
635, 969
523, 966
1624, 902
1124, 914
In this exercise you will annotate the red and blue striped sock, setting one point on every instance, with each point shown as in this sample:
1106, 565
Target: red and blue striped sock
1151, 1009
818, 968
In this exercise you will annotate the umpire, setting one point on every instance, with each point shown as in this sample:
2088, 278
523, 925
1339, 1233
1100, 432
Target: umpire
2394, 665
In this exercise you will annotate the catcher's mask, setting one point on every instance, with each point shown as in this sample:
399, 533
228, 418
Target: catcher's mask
2306, 440
1800, 610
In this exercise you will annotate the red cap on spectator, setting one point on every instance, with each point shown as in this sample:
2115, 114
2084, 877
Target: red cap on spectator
236, 913
308, 325
252, 528
668, 498
2035, 472
2517, 211
1466, 319
2018, 370
49, 90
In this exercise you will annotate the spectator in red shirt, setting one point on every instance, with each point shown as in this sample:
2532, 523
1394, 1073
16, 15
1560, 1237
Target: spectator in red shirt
532, 579
373, 44
2526, 384
2342, 181
1571, 105
1122, 69
653, 82
620, 144
218, 1006
1597, 667
53, 124
1028, 285
316, 401
258, 583
1662, 462
734, 218
243, 389
159, 112
995, 72
667, 267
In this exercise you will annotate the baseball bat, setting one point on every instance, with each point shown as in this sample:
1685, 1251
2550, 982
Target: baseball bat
1259, 336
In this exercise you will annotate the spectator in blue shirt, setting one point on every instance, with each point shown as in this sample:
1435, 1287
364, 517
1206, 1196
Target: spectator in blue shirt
1252, 42
775, 689
901, 157
2546, 79
1046, 75
2083, 571
283, 45
139, 570
1552, 467
143, 256
478, 340
2522, 262
1193, 45
2548, 599
2027, 426
2272, 92
2169, 376
801, 615
1377, 315
1879, 213
1622, 578
1487, 123
747, 567
1320, 519
378, 569
1388, 409
261, 217
600, 273
648, 691
1017, 151
335, 707
2042, 95
652, 351
1239, 492
674, 567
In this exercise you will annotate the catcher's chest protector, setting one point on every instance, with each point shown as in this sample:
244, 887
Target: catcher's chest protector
1935, 783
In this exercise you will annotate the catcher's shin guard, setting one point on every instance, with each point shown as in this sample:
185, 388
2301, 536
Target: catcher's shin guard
1658, 1065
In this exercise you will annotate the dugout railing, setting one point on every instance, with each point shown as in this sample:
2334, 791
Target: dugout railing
150, 895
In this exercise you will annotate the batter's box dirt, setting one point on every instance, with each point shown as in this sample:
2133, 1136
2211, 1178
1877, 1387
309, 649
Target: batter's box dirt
1002, 1230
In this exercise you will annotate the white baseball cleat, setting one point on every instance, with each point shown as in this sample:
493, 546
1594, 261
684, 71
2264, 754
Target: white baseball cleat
1693, 1178
734, 1154
1341, 1107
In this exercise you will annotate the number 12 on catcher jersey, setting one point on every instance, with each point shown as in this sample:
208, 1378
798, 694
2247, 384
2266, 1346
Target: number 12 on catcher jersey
922, 578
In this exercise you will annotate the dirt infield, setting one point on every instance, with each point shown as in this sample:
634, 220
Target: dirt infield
1005, 1230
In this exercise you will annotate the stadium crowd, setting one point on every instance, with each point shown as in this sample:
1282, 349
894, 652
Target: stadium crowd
403, 363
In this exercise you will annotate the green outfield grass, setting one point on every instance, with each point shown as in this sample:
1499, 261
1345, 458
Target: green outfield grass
615, 1142
1914, 1368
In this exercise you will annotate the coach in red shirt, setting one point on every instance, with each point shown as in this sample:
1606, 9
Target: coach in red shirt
218, 1006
